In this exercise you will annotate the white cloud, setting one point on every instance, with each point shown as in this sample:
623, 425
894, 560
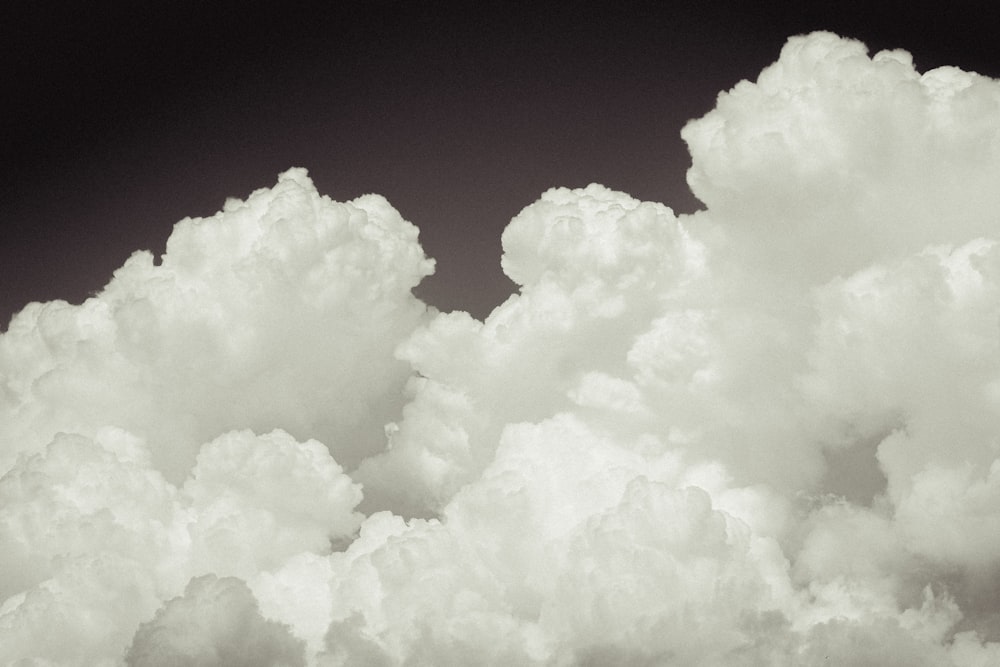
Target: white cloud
215, 622
281, 311
646, 456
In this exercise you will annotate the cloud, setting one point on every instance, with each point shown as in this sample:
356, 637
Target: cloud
833, 160
763, 433
592, 264
281, 311
87, 513
216, 622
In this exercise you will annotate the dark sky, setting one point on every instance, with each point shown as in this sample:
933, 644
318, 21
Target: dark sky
122, 117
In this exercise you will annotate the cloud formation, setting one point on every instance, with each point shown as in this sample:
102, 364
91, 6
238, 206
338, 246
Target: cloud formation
763, 433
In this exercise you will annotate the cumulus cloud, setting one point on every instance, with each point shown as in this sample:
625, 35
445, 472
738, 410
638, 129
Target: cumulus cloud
763, 433
215, 622
281, 311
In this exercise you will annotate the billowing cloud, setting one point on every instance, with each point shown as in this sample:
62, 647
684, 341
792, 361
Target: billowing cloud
763, 433
215, 622
281, 311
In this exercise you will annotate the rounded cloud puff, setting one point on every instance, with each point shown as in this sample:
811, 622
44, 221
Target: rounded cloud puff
215, 622
281, 311
262, 499
572, 235
76, 514
833, 159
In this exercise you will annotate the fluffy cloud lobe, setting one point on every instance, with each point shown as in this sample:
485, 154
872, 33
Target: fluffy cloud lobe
763, 433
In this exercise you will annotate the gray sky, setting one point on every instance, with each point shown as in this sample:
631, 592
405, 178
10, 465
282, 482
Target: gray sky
124, 120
